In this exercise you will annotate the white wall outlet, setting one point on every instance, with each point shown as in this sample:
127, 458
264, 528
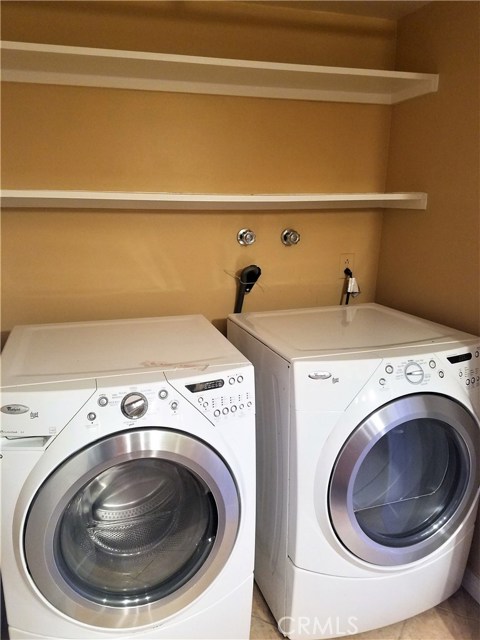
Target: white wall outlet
346, 262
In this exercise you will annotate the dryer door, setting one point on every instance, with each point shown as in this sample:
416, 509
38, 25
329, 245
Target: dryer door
405, 479
132, 528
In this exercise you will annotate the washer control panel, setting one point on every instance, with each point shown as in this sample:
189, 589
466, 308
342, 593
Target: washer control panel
127, 405
222, 397
170, 398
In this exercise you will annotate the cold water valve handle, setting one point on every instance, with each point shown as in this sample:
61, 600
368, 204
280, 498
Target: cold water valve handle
246, 280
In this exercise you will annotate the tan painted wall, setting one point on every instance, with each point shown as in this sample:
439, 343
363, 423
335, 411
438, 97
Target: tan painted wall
430, 263
77, 265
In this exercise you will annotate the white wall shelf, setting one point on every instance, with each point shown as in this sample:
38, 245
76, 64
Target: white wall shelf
47, 199
93, 67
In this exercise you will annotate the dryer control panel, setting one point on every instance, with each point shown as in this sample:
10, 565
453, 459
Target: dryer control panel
461, 366
467, 367
416, 371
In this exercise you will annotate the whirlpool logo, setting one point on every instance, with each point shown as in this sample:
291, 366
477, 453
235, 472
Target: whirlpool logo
14, 409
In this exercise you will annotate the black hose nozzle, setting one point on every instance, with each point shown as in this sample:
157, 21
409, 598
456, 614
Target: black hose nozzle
247, 279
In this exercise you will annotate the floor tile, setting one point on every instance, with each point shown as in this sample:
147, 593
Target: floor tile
260, 608
432, 626
392, 632
261, 630
458, 618
461, 604
444, 622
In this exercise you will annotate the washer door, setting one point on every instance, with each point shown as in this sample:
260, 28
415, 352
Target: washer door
405, 479
132, 528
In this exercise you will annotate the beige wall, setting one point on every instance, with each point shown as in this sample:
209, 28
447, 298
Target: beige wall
232, 29
79, 265
430, 262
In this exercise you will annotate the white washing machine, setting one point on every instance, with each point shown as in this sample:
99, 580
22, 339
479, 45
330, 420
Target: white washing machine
128, 481
367, 463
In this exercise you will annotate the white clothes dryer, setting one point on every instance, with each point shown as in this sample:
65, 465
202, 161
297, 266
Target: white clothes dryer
128, 481
367, 463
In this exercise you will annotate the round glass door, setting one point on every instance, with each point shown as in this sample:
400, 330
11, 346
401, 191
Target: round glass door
405, 479
136, 532
148, 522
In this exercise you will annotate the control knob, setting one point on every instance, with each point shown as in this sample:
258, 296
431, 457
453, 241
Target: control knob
134, 405
414, 373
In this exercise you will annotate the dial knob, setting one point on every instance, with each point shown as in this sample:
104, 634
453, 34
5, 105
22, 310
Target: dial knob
134, 405
414, 373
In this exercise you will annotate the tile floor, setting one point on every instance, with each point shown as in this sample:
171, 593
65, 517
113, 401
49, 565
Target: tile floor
458, 618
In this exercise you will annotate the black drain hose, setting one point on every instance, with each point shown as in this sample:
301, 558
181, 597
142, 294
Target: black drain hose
246, 280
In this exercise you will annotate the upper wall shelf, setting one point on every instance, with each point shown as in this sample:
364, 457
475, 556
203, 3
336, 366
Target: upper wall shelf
41, 199
92, 67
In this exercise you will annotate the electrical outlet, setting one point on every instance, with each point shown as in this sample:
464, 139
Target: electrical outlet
346, 262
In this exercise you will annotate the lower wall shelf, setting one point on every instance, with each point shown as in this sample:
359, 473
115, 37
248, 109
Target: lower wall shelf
49, 199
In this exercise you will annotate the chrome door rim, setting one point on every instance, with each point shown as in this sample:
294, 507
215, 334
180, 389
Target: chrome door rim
361, 442
61, 486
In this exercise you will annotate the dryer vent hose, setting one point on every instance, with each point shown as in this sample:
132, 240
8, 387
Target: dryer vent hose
246, 281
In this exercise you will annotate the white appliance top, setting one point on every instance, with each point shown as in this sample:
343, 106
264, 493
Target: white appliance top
340, 330
81, 350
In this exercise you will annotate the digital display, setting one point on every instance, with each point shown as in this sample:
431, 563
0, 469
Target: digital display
461, 358
205, 386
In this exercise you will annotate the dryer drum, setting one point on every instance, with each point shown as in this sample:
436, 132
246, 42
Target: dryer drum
405, 479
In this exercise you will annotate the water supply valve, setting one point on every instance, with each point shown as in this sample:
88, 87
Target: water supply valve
290, 237
246, 237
